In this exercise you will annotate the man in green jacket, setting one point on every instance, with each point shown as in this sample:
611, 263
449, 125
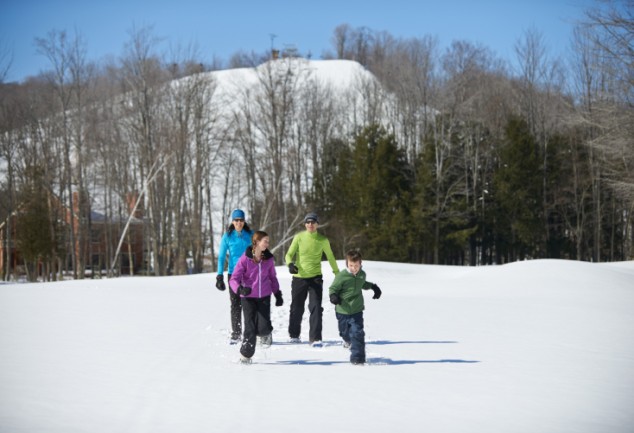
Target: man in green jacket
304, 262
346, 294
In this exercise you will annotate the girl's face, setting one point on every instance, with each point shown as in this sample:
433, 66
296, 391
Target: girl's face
354, 267
263, 243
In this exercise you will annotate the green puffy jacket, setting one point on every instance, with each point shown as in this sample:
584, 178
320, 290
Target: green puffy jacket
348, 287
309, 248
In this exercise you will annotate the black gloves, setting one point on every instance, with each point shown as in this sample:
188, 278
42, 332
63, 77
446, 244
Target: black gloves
220, 284
335, 299
278, 299
244, 291
292, 268
377, 291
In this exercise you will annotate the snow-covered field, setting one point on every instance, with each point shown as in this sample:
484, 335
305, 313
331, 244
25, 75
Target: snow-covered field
542, 346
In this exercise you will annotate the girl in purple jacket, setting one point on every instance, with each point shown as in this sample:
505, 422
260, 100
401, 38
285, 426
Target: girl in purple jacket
254, 279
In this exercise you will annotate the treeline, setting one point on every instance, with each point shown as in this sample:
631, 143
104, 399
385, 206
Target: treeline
480, 165
435, 157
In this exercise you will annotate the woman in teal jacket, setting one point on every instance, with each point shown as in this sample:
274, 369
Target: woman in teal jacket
234, 243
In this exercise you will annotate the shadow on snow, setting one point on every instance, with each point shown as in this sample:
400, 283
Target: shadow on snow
328, 343
378, 361
385, 342
375, 361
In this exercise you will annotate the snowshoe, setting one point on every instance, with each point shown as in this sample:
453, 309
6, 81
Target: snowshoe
266, 341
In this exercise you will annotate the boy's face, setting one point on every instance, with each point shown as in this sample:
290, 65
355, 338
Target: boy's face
353, 267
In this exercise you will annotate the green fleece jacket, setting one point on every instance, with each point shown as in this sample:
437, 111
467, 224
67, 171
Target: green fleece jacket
348, 287
309, 248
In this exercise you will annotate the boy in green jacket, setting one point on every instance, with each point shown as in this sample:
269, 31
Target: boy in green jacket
307, 249
345, 293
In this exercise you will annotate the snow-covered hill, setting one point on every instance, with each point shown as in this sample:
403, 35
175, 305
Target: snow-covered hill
541, 346
341, 74
255, 102
237, 91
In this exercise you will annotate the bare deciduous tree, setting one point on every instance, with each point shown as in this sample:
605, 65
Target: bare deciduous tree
67, 58
605, 57
144, 81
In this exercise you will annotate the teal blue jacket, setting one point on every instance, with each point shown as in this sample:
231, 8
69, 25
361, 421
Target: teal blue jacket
235, 243
348, 287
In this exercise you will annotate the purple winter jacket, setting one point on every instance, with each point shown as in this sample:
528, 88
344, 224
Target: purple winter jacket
261, 277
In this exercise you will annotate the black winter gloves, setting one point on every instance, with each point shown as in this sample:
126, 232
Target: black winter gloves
377, 291
244, 291
278, 299
220, 284
292, 268
335, 299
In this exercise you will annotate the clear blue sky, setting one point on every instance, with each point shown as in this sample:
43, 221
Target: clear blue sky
223, 27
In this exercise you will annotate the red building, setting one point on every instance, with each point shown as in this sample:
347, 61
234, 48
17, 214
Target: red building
95, 247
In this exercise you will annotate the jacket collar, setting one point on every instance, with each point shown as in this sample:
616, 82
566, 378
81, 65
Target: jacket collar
265, 255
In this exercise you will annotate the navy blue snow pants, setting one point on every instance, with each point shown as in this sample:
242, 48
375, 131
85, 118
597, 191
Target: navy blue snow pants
351, 330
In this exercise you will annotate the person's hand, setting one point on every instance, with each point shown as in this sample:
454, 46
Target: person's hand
335, 299
279, 301
220, 284
292, 268
244, 291
377, 291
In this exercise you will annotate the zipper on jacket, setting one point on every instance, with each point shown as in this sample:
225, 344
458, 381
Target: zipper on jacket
260, 278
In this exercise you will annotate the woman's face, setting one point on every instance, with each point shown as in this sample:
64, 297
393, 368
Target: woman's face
263, 243
238, 224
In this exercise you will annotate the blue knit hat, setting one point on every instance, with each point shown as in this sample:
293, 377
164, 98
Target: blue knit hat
237, 214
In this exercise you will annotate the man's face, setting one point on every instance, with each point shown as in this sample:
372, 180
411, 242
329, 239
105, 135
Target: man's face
311, 225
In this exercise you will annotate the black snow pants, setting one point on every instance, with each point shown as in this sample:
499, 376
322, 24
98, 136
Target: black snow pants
301, 288
236, 314
257, 322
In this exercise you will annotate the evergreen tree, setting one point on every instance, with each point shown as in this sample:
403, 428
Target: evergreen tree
33, 229
557, 178
327, 191
518, 195
423, 209
373, 194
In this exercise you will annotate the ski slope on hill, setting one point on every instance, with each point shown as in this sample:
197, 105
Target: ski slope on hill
539, 346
